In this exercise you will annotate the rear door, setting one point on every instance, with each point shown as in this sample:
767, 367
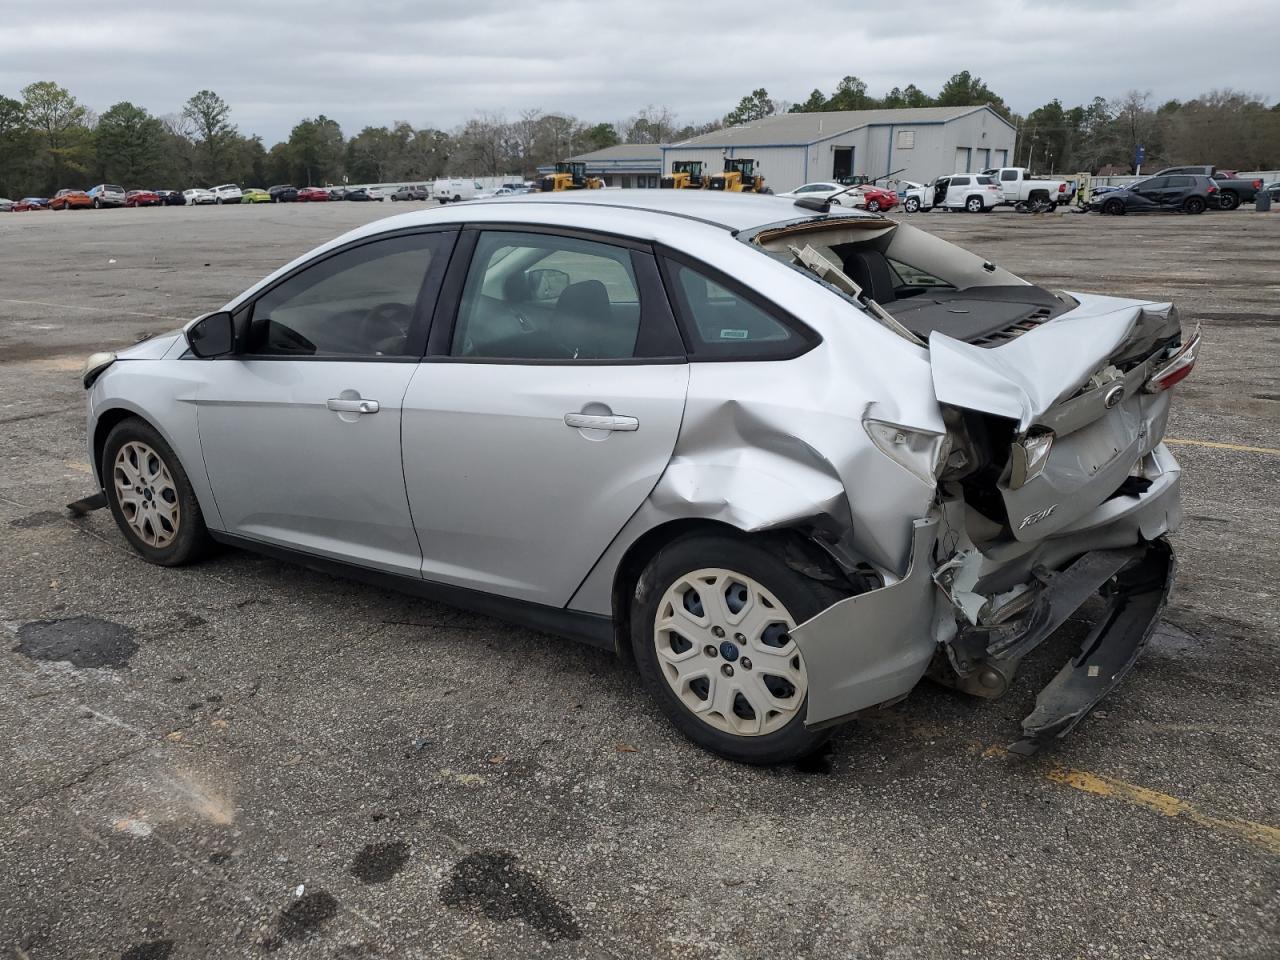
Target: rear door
547, 408
1149, 194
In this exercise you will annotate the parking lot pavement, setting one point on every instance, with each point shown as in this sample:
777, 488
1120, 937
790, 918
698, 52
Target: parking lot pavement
251, 758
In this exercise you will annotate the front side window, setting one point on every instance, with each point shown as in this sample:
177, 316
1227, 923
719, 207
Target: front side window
721, 323
960, 181
357, 303
532, 296
1008, 175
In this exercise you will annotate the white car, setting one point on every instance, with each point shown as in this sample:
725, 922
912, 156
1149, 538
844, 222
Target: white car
825, 190
973, 192
6, 205
198, 195
226, 193
914, 196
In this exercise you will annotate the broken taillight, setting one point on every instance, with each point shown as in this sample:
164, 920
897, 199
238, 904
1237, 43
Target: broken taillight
1176, 369
1062, 188
1211, 189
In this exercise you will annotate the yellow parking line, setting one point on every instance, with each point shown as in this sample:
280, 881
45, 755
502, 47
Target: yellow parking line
1223, 446
1268, 838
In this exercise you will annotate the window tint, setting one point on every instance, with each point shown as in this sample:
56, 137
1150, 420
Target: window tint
1155, 183
356, 303
722, 324
985, 181
959, 181
1008, 174
1181, 181
535, 296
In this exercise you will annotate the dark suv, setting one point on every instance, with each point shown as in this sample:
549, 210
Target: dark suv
1178, 194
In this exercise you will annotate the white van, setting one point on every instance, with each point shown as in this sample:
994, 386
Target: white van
451, 191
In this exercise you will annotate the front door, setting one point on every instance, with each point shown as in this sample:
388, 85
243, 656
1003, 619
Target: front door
1148, 194
300, 429
544, 415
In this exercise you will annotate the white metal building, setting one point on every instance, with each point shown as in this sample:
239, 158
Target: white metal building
795, 148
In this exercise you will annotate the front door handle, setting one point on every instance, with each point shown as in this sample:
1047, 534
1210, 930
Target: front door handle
342, 405
588, 421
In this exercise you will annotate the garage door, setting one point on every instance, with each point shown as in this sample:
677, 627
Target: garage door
962, 160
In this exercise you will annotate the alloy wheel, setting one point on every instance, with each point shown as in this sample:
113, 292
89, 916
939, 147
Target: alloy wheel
147, 495
725, 648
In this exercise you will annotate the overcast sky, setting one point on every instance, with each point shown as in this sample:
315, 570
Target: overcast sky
436, 63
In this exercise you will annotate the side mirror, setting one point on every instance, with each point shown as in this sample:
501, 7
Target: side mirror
547, 284
212, 336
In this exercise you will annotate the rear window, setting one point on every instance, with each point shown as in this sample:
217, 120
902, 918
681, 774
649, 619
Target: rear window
114, 188
721, 323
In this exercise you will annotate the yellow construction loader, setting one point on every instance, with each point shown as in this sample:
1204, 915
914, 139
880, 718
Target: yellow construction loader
739, 177
569, 176
685, 175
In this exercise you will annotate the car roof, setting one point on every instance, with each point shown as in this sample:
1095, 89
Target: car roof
731, 211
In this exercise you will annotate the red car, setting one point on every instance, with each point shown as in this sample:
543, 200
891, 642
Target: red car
66, 199
313, 194
141, 198
876, 199
31, 203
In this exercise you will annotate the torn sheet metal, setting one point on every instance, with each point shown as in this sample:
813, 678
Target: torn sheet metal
1023, 378
872, 648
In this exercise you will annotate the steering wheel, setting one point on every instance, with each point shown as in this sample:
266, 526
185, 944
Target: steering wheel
386, 326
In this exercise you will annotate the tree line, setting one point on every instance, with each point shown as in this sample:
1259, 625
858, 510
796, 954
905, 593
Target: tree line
1227, 128
50, 140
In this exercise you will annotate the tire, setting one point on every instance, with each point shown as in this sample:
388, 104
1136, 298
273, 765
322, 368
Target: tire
1196, 205
973, 205
1114, 207
97, 204
873, 206
457, 198
217, 201
163, 523
751, 572
912, 205
1227, 200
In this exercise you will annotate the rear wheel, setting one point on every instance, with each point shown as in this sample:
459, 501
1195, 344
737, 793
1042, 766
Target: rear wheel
97, 204
873, 206
1195, 205
973, 204
1114, 207
1228, 200
151, 497
711, 623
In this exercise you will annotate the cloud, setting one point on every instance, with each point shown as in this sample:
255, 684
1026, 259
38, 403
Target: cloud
277, 61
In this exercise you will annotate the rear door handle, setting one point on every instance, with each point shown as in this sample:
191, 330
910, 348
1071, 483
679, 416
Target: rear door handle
339, 405
587, 421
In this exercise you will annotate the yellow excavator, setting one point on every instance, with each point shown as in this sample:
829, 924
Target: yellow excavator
569, 175
739, 177
685, 175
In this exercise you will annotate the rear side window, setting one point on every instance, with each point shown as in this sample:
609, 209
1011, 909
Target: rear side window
985, 181
721, 322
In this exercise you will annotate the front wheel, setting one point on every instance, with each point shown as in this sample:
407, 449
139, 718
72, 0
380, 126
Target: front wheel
151, 497
97, 204
1114, 207
711, 623
912, 205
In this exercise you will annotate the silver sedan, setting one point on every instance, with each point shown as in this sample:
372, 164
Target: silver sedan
786, 460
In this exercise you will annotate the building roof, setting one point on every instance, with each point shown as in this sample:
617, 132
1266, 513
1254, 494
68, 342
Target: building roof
785, 129
624, 151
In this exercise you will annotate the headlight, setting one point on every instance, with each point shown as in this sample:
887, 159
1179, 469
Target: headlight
921, 452
94, 366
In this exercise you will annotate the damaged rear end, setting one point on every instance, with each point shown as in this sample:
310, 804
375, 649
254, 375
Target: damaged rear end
1053, 490
1057, 490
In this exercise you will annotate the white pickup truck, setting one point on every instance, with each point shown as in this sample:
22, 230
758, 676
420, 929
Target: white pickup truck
1017, 185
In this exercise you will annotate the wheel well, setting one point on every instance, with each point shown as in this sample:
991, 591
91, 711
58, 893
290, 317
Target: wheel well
801, 552
106, 423
1042, 194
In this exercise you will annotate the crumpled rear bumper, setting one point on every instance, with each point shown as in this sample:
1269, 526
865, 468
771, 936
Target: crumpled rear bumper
873, 648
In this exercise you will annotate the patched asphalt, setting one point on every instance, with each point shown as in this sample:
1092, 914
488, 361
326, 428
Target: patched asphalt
247, 758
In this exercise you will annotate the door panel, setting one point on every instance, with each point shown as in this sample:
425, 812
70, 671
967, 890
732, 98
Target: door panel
288, 470
510, 499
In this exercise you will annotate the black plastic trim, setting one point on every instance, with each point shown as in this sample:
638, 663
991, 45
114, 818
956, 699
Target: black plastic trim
591, 628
